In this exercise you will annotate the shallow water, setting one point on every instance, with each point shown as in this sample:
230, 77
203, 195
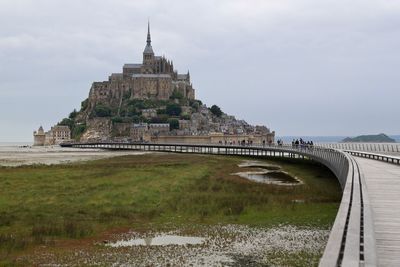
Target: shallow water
162, 240
266, 173
275, 177
266, 167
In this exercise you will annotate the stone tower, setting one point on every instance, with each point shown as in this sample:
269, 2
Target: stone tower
39, 137
148, 54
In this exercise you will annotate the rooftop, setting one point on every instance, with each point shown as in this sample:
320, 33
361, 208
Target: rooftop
133, 66
151, 75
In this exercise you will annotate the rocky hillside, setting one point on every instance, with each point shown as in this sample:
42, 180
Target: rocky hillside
113, 120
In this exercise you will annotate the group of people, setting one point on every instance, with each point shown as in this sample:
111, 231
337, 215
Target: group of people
239, 142
279, 142
302, 144
298, 143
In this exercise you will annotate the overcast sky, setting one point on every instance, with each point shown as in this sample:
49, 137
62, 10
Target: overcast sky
301, 67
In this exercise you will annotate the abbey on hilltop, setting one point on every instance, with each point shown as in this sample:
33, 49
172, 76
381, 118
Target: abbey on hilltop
154, 78
151, 102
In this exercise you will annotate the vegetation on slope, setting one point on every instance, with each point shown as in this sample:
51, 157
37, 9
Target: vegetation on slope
130, 111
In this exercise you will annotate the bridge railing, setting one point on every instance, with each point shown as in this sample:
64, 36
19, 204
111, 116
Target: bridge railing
381, 157
351, 241
367, 147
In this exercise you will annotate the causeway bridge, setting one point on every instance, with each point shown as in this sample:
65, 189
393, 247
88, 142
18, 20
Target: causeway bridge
366, 231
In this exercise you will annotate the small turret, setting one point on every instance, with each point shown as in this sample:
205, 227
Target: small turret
39, 137
40, 131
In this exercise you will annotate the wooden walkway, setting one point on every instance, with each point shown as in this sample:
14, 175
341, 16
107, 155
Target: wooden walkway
383, 186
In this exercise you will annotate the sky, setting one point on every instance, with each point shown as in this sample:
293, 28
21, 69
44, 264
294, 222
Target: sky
300, 67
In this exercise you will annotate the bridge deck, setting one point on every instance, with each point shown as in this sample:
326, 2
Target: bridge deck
383, 186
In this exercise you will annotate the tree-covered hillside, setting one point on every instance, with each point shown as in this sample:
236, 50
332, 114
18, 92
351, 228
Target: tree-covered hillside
374, 138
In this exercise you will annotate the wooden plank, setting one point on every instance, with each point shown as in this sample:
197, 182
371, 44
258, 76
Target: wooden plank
383, 185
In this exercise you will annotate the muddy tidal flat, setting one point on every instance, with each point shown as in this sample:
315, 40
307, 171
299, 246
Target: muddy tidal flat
13, 155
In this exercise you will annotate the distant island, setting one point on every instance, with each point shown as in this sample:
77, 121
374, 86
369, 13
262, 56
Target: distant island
373, 138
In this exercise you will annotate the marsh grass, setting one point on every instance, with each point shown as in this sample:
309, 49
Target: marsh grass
39, 204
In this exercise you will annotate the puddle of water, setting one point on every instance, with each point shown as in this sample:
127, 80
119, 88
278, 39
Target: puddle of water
266, 173
162, 240
274, 177
266, 167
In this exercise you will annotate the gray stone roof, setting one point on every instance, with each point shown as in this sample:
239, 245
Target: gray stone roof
151, 76
148, 50
60, 128
133, 66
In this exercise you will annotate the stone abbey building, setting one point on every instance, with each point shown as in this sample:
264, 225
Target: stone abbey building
154, 78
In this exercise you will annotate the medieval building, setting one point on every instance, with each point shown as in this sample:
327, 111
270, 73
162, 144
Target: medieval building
154, 78
57, 135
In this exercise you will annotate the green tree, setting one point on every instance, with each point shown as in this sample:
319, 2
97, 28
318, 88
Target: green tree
161, 111
116, 119
79, 129
185, 116
84, 104
176, 95
173, 124
173, 109
102, 111
195, 104
73, 114
163, 118
216, 110
132, 111
67, 122
136, 119
136, 104
127, 95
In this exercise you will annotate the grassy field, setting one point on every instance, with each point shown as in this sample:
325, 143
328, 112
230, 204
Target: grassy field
41, 204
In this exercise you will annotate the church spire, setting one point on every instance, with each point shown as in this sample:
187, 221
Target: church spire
148, 33
148, 53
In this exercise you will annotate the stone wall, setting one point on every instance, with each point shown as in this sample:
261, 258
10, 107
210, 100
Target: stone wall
98, 129
39, 139
215, 139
